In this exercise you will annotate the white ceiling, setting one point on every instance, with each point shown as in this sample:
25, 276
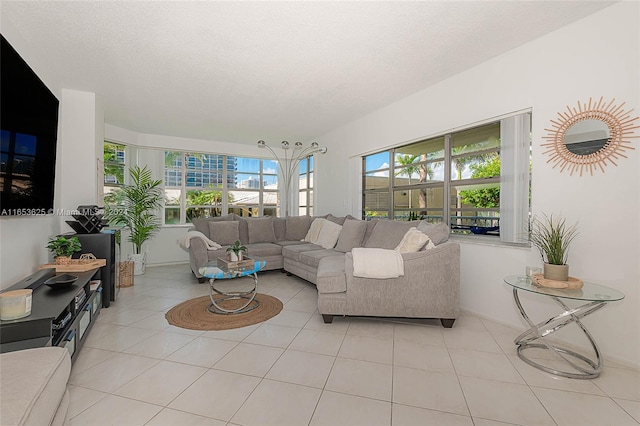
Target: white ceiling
243, 71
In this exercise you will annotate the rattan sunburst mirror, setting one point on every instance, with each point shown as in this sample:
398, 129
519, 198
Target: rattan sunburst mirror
589, 137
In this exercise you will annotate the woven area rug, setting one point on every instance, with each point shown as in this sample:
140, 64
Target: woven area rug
194, 315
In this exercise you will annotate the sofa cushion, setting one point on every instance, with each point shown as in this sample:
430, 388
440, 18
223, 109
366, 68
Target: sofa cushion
261, 230
243, 228
292, 252
202, 223
387, 234
33, 385
329, 234
280, 228
338, 220
312, 257
438, 233
224, 232
314, 230
412, 241
263, 250
371, 224
351, 235
297, 227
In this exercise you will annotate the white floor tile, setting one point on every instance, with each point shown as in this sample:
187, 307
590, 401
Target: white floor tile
631, 407
254, 360
235, 334
367, 349
169, 417
570, 408
202, 351
277, 404
115, 410
424, 357
504, 402
216, 394
371, 328
468, 339
340, 409
273, 335
339, 324
403, 415
620, 383
82, 398
89, 357
422, 335
320, 342
302, 368
161, 383
160, 345
484, 365
428, 389
119, 340
113, 373
361, 378
290, 318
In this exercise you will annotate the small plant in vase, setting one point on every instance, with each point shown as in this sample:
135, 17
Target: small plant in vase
552, 238
62, 248
236, 251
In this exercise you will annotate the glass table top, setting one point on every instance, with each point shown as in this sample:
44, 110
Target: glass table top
588, 292
211, 270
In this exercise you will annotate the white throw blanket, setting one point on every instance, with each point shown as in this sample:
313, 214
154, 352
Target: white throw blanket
185, 242
377, 263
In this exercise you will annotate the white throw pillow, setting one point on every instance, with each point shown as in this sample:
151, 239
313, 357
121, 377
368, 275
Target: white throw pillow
412, 241
314, 230
329, 234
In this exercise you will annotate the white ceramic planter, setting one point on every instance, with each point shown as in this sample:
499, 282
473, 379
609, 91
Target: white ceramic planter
139, 263
556, 272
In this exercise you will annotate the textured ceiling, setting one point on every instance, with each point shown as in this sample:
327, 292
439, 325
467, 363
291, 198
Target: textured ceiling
243, 71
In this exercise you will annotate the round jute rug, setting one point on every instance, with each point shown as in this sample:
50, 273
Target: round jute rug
194, 315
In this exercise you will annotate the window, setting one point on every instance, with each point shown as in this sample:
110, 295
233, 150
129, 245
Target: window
476, 179
305, 187
114, 171
209, 185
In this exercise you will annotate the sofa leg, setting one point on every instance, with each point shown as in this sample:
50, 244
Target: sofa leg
288, 273
447, 322
328, 319
201, 280
282, 271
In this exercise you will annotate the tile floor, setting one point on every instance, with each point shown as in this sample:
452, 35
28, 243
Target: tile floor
136, 369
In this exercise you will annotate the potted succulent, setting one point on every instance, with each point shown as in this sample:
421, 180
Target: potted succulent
236, 251
552, 238
136, 212
62, 248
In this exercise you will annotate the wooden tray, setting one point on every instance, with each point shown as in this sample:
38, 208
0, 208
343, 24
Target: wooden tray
76, 266
571, 284
227, 265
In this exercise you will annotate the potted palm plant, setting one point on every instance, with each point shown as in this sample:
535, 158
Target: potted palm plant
552, 238
62, 248
236, 251
137, 212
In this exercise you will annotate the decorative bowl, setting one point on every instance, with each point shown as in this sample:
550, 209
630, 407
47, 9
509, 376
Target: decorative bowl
61, 281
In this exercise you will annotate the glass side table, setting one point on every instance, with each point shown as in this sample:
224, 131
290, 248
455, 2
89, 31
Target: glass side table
213, 272
596, 296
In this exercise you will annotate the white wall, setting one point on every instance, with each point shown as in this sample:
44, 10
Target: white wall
597, 56
80, 132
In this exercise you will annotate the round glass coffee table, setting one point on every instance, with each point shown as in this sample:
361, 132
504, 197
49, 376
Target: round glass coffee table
215, 273
596, 296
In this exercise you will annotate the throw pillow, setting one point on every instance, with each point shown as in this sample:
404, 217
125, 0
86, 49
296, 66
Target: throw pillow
351, 235
387, 234
261, 230
224, 232
297, 227
334, 219
438, 233
329, 234
412, 241
202, 223
314, 230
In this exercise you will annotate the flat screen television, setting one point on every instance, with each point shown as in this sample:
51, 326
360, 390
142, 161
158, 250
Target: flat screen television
29, 131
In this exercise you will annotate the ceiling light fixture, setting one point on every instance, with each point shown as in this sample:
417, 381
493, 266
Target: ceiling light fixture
288, 165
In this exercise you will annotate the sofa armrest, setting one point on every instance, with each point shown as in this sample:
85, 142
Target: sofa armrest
197, 255
430, 285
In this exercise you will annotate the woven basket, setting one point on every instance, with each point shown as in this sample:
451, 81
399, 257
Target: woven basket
63, 260
126, 274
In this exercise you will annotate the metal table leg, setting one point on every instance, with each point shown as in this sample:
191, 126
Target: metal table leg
250, 295
538, 332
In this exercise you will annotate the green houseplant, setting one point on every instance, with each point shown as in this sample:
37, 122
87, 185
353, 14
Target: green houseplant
137, 212
62, 248
552, 237
236, 250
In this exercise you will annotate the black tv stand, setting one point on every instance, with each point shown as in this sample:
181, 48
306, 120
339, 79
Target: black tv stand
59, 317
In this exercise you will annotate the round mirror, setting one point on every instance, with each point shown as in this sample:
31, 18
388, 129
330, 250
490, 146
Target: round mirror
590, 136
586, 137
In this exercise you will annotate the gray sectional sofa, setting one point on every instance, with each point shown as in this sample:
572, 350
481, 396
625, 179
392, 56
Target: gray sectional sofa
429, 288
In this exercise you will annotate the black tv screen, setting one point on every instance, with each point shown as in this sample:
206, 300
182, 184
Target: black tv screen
29, 129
